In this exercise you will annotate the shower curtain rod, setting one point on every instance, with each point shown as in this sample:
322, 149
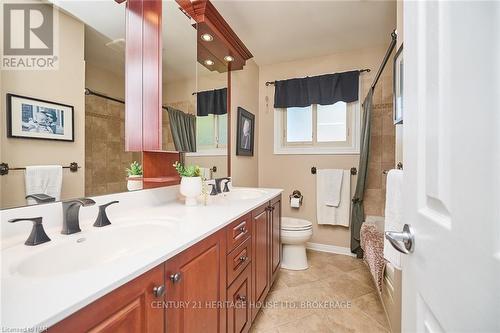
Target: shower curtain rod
361, 71
394, 37
98, 94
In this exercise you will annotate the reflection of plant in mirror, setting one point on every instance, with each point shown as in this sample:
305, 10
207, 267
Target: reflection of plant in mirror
135, 169
187, 171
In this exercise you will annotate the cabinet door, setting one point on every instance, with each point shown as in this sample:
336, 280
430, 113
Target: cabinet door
239, 317
275, 237
260, 248
196, 282
128, 309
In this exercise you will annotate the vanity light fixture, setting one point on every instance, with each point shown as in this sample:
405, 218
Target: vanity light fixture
209, 62
228, 58
207, 37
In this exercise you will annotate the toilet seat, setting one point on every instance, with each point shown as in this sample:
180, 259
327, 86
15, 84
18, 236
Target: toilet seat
293, 224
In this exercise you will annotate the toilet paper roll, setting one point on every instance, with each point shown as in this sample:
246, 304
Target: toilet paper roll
295, 202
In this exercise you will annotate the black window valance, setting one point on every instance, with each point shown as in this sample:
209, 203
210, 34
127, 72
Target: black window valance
323, 89
211, 102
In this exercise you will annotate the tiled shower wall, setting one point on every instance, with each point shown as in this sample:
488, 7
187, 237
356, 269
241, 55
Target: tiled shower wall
382, 148
105, 156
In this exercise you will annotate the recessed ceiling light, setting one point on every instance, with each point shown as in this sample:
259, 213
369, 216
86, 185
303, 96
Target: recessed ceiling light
209, 62
228, 58
207, 37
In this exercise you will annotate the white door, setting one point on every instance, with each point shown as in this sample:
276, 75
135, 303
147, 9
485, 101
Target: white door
451, 282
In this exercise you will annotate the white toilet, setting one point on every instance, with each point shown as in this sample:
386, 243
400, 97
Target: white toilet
294, 235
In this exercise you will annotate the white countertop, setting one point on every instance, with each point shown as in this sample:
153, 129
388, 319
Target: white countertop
39, 302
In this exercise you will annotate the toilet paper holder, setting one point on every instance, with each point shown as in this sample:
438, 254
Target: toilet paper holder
296, 194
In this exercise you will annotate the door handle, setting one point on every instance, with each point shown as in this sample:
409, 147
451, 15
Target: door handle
403, 241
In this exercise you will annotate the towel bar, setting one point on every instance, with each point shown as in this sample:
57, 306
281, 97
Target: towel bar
4, 168
354, 171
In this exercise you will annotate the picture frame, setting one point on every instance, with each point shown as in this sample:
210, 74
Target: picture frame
33, 118
245, 135
397, 84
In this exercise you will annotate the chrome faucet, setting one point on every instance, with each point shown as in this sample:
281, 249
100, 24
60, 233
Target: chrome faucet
71, 210
40, 198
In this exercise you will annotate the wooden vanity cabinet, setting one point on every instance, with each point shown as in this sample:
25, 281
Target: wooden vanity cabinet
196, 283
216, 285
127, 309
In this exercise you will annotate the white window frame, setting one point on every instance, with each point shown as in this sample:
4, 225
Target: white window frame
218, 150
281, 147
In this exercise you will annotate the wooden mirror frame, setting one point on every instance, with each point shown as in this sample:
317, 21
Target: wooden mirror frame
143, 78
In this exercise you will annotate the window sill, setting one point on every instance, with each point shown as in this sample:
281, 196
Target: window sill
315, 151
208, 152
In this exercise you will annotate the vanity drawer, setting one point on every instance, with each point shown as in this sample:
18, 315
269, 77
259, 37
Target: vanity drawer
239, 317
238, 231
238, 259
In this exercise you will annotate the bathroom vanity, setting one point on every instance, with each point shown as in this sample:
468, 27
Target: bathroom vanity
162, 267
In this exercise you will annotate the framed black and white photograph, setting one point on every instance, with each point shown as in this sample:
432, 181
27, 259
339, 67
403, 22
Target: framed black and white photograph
33, 118
398, 86
245, 133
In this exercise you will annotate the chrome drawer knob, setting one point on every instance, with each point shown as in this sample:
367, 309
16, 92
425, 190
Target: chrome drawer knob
241, 298
243, 258
175, 277
159, 291
243, 229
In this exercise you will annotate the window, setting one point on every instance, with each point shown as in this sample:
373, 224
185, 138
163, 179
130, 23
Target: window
211, 135
317, 129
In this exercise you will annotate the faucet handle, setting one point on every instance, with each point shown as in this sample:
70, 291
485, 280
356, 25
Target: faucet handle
102, 219
37, 235
226, 188
40, 197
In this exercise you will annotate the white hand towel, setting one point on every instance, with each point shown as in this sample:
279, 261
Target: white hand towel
327, 214
393, 213
46, 179
331, 180
205, 173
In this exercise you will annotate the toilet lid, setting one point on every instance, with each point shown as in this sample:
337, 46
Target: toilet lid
290, 223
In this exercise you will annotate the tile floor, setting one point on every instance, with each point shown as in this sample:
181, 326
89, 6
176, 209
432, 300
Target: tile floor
296, 302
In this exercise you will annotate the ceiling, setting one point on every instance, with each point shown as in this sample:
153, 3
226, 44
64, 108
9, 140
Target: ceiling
279, 31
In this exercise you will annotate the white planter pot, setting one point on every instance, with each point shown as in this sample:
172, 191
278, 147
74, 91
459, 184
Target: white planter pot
134, 184
191, 189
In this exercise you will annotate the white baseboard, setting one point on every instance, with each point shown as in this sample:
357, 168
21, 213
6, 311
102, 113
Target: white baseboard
329, 248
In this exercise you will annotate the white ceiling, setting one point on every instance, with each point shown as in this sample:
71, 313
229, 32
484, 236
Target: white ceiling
278, 31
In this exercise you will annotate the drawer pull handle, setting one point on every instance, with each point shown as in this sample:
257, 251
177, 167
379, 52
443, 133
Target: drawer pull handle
241, 298
159, 291
243, 258
175, 277
243, 229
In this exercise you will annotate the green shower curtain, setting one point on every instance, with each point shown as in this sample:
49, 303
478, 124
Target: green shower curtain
183, 127
358, 214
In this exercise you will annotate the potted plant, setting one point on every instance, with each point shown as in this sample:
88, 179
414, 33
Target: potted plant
191, 183
134, 180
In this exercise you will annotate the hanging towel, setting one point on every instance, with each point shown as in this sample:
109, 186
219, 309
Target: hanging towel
328, 214
205, 173
331, 180
43, 179
393, 213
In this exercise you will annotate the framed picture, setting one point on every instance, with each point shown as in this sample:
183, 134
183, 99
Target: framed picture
245, 133
33, 118
398, 81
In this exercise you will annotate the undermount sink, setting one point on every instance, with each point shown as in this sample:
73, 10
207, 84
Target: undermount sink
245, 194
93, 249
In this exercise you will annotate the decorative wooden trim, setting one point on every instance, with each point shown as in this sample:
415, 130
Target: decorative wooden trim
225, 42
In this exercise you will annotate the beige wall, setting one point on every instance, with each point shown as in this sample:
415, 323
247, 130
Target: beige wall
64, 85
245, 93
294, 171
